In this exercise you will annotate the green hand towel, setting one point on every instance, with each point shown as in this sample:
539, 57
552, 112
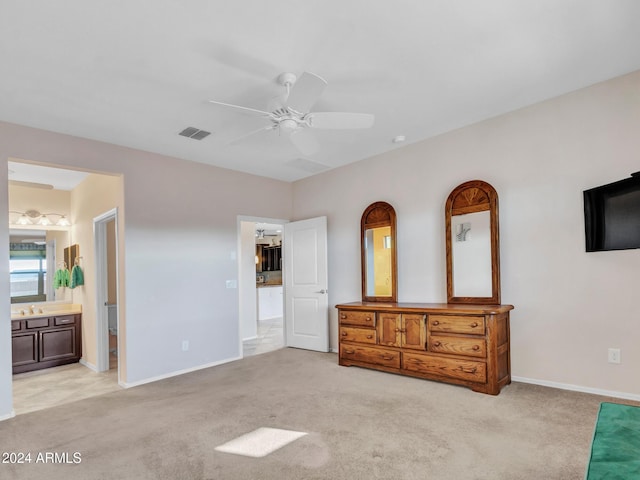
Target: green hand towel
61, 278
77, 277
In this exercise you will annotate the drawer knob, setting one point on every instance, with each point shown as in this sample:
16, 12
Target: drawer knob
387, 357
435, 322
437, 344
476, 348
343, 316
474, 324
369, 336
368, 319
349, 352
344, 334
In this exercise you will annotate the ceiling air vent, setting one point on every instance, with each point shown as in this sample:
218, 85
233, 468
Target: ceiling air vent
195, 133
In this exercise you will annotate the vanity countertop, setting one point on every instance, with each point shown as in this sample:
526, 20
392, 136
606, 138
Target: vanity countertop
263, 285
45, 310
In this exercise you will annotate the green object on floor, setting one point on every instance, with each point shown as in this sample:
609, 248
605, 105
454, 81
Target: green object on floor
615, 450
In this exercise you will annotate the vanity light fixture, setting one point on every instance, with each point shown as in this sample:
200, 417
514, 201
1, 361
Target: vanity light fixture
23, 220
34, 217
44, 220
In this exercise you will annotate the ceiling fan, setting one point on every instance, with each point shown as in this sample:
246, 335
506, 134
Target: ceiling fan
290, 115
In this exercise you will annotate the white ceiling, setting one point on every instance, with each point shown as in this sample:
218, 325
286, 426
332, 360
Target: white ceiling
44, 177
137, 73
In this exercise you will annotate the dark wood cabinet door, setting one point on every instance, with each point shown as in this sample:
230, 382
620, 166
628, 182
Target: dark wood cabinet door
24, 348
57, 344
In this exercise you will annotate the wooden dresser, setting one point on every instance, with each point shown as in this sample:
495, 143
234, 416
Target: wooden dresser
462, 344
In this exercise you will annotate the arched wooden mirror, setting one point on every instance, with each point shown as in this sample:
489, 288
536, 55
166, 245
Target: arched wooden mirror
378, 247
473, 244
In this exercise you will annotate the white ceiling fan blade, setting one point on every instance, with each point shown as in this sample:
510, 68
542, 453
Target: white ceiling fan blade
277, 103
253, 132
244, 109
340, 120
306, 92
305, 142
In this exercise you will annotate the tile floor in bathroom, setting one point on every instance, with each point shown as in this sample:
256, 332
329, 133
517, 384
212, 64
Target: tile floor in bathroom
60, 385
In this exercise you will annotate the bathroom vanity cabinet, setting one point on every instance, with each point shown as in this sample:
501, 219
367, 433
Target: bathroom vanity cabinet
43, 342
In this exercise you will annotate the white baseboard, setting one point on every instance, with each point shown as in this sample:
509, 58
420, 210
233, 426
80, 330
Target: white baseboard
333, 350
90, 366
177, 372
578, 388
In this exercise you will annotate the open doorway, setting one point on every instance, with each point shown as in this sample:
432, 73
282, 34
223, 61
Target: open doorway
36, 188
106, 242
261, 286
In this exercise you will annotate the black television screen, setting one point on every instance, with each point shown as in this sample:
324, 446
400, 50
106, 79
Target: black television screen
612, 215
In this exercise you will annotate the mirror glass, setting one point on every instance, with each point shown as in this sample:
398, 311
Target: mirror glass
379, 271
378, 261
34, 256
471, 255
473, 271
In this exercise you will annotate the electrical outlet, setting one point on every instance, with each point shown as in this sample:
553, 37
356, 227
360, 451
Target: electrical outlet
185, 345
614, 355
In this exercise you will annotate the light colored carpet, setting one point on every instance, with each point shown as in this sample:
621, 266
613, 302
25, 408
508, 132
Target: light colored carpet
361, 424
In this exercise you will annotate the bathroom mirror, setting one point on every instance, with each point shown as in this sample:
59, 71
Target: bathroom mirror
472, 243
33, 259
378, 258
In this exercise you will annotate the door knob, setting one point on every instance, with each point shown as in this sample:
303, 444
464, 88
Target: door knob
322, 291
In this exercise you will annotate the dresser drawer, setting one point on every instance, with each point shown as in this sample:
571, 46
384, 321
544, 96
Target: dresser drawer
445, 367
367, 319
469, 346
473, 324
66, 320
15, 325
37, 322
355, 334
374, 356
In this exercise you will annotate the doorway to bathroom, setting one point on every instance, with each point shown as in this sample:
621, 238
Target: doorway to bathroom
78, 197
107, 325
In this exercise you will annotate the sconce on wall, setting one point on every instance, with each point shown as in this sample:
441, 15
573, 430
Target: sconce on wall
34, 217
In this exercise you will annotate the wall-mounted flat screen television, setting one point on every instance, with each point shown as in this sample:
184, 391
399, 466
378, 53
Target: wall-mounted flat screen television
612, 215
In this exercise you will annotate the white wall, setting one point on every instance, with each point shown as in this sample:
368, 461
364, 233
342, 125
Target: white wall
180, 246
247, 281
570, 306
94, 196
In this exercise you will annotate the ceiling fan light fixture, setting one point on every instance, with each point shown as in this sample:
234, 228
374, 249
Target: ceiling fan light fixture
292, 115
288, 125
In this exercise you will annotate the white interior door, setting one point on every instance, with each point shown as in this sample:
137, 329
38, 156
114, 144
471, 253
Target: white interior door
305, 276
